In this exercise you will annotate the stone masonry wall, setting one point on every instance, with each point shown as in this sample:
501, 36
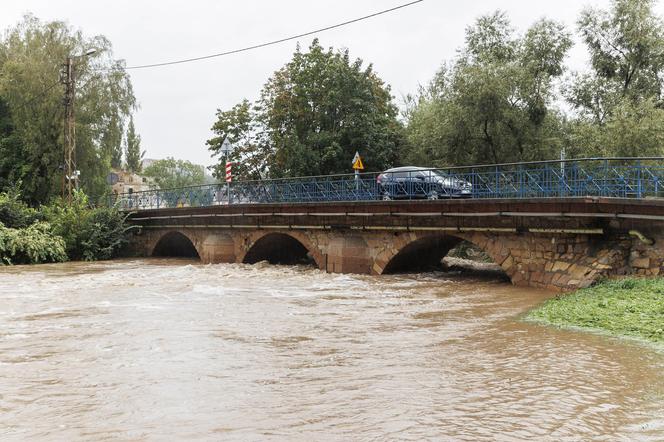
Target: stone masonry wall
553, 261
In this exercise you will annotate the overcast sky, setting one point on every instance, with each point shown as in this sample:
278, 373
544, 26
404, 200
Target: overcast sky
178, 103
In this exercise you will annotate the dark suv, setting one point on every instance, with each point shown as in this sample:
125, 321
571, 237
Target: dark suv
419, 182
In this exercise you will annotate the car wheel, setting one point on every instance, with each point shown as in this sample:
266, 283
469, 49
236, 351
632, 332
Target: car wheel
387, 196
433, 195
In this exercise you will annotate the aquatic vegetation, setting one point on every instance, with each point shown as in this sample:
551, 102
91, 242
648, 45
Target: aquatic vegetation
629, 308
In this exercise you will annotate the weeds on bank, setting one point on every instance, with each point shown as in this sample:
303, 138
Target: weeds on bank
628, 307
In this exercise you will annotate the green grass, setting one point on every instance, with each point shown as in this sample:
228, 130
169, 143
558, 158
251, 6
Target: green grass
632, 308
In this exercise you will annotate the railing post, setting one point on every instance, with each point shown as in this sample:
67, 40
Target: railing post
605, 188
639, 189
497, 176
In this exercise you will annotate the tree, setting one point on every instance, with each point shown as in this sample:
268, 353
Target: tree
494, 104
626, 46
618, 104
111, 142
12, 150
252, 153
634, 129
31, 57
133, 152
171, 173
312, 115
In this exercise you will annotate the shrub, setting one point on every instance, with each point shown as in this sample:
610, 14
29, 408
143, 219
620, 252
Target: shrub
89, 233
68, 221
103, 234
14, 213
31, 245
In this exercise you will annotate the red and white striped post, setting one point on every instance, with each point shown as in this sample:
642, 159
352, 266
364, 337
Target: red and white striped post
229, 171
226, 149
229, 178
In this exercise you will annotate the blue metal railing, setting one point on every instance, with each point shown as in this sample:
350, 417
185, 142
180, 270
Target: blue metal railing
606, 177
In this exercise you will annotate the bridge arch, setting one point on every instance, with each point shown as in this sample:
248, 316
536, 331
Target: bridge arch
175, 244
282, 248
417, 252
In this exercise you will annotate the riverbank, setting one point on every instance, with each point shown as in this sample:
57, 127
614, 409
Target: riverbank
628, 308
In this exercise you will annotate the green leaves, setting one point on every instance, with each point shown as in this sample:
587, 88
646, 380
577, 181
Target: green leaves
626, 46
133, 154
498, 101
171, 173
14, 213
619, 103
31, 144
88, 233
31, 245
495, 103
313, 114
627, 307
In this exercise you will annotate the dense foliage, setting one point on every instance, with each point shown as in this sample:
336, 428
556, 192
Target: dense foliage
628, 307
89, 233
133, 154
31, 245
31, 112
14, 212
494, 103
171, 173
58, 231
500, 101
313, 114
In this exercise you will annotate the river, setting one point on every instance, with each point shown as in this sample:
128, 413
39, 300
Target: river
173, 350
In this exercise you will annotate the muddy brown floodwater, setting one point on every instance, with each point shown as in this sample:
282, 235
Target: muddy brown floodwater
170, 350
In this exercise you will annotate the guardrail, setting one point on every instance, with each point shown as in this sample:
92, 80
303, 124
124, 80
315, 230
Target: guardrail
606, 177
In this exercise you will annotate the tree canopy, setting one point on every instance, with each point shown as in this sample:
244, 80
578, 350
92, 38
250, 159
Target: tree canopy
133, 154
171, 173
505, 98
311, 117
495, 102
618, 104
31, 111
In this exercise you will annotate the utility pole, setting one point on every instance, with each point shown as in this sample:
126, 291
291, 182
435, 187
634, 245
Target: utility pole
69, 173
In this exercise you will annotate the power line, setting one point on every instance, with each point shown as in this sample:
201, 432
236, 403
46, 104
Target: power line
274, 42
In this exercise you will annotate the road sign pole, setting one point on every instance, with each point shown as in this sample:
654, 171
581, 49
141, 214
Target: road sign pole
228, 182
357, 166
227, 148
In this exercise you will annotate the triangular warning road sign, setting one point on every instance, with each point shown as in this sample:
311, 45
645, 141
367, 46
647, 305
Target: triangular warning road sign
357, 162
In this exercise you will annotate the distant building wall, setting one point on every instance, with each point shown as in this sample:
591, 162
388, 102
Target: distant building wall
128, 182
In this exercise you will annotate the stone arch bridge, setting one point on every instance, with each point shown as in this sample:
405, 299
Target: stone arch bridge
558, 244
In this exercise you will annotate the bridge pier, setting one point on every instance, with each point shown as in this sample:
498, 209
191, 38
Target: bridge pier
347, 254
218, 248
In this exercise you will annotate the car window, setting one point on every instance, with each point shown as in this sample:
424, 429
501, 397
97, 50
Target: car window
395, 175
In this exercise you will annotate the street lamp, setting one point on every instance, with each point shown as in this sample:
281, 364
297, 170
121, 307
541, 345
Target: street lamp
69, 80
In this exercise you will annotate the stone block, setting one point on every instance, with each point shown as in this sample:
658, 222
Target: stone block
641, 263
560, 266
